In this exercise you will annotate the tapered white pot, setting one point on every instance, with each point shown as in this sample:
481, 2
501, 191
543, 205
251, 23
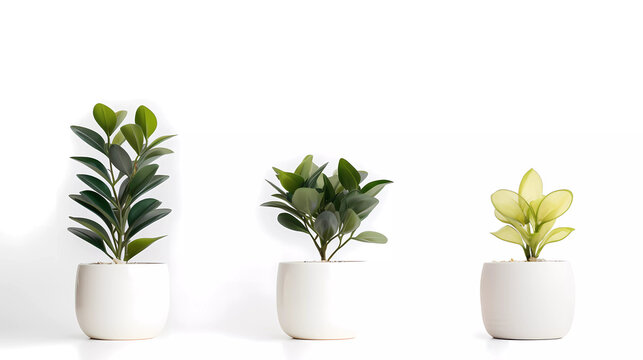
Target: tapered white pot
527, 300
321, 300
122, 301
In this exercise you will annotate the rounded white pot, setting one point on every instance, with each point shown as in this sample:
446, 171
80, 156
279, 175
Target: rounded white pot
122, 301
321, 300
527, 300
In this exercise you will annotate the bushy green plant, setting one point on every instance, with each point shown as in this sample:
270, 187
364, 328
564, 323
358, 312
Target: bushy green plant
530, 215
120, 211
327, 208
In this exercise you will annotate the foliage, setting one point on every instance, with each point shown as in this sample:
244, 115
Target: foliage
119, 210
530, 215
326, 208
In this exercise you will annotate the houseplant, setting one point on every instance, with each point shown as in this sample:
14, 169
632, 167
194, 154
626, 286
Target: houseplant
319, 299
531, 299
121, 300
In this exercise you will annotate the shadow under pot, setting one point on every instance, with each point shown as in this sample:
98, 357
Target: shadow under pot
527, 300
320, 300
122, 301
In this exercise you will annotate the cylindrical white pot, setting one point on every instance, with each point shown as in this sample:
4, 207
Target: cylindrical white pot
122, 301
321, 300
527, 300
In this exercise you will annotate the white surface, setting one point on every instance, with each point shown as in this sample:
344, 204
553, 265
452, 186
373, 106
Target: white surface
323, 300
451, 100
122, 301
527, 300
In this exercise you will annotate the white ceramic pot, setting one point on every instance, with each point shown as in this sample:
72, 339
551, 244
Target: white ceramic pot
321, 300
122, 301
527, 300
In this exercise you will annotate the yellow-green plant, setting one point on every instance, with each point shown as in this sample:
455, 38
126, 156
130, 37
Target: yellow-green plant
530, 215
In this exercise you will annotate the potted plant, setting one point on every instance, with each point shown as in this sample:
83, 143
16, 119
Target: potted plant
320, 299
121, 300
532, 299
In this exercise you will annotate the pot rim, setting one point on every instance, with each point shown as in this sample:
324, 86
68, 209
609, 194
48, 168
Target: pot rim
319, 262
127, 264
526, 262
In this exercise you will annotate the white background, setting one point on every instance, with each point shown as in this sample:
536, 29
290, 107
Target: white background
452, 100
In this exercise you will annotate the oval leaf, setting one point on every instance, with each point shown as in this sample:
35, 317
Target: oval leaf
290, 181
93, 164
105, 117
154, 182
362, 204
93, 226
371, 237
91, 137
326, 225
96, 184
348, 176
290, 222
134, 136
141, 208
558, 234
510, 205
508, 233
146, 220
554, 205
306, 200
374, 187
120, 158
531, 186
146, 119
159, 140
305, 168
90, 237
138, 245
351, 221
142, 177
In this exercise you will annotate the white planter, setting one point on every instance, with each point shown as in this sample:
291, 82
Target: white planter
321, 300
527, 300
122, 301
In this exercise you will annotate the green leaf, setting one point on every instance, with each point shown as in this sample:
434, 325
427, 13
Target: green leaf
312, 181
90, 237
120, 116
100, 204
93, 164
120, 158
374, 187
150, 156
282, 206
96, 184
531, 186
348, 176
362, 204
141, 208
554, 205
326, 225
123, 190
329, 190
87, 205
305, 167
290, 222
558, 234
371, 237
146, 119
276, 188
508, 233
93, 226
138, 245
306, 200
351, 221
119, 138
156, 181
510, 205
91, 137
142, 177
289, 181
159, 140
105, 117
134, 136
146, 220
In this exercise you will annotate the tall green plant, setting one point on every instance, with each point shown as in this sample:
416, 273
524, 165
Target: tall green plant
326, 208
114, 195
530, 215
